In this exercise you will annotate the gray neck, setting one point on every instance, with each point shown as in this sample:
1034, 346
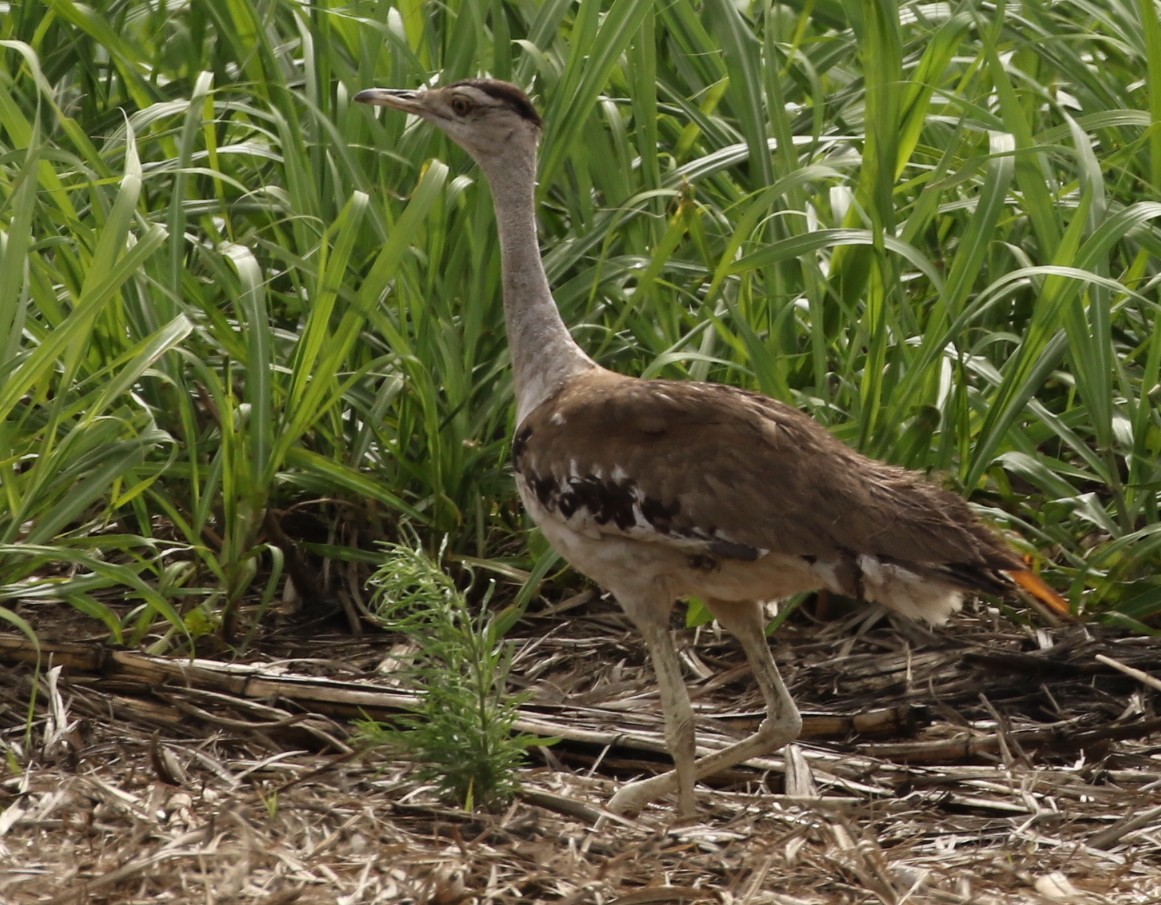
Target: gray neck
544, 354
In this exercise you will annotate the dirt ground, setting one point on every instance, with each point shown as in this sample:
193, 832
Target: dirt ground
989, 762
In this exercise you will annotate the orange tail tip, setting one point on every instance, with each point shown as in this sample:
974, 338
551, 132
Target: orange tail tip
1032, 583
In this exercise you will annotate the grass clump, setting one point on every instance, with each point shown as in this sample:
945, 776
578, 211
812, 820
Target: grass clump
236, 307
462, 737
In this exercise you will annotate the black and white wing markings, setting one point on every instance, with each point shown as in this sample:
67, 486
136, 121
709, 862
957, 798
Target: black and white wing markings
590, 501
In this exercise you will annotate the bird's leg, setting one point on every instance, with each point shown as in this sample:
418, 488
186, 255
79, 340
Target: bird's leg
782, 723
653, 623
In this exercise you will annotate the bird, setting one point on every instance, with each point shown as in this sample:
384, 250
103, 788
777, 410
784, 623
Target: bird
660, 490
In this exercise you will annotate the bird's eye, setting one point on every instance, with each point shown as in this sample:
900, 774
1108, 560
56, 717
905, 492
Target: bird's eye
461, 106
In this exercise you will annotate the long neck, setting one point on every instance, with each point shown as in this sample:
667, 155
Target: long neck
544, 354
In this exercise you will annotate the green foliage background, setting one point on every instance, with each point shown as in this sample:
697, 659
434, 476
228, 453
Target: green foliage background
244, 320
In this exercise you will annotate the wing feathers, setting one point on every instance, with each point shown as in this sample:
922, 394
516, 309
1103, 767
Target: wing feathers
738, 475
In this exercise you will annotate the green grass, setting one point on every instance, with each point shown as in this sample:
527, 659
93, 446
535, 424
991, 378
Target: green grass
229, 296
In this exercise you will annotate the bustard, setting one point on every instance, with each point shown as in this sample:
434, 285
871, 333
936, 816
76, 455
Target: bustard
662, 489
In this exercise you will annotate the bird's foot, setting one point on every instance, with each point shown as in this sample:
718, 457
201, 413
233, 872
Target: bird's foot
632, 797
771, 735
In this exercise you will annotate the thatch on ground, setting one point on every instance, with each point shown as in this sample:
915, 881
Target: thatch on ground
988, 763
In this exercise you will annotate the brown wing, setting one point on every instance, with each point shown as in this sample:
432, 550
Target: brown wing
739, 475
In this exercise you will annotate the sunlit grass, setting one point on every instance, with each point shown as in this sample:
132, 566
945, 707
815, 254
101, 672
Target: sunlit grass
228, 295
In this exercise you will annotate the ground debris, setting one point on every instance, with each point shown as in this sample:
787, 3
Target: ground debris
993, 765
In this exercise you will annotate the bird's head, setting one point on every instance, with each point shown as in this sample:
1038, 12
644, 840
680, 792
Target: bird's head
491, 120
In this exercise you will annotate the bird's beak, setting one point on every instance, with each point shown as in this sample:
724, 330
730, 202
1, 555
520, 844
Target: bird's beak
397, 98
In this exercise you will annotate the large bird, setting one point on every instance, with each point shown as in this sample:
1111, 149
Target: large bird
659, 490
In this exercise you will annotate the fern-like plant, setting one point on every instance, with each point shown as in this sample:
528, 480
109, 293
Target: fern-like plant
462, 738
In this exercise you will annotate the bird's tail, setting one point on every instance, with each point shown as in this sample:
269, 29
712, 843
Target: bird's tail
1032, 583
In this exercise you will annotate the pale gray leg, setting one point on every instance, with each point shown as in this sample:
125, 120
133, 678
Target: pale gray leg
781, 726
652, 620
